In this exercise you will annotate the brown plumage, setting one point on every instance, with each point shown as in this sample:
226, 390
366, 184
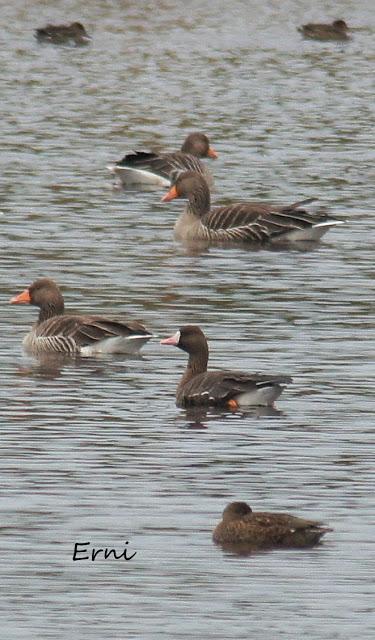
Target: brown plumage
337, 30
74, 33
75, 334
143, 167
231, 389
241, 526
257, 223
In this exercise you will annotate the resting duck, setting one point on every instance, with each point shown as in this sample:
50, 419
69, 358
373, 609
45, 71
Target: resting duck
74, 334
147, 168
251, 222
74, 33
232, 389
240, 525
337, 30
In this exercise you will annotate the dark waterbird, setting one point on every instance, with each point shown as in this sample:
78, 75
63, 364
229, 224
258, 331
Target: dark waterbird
258, 530
337, 30
231, 389
74, 33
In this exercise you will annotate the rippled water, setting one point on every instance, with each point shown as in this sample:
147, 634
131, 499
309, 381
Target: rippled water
97, 450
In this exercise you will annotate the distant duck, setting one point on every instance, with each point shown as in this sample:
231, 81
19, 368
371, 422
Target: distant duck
242, 526
255, 223
148, 168
85, 335
231, 389
337, 30
74, 33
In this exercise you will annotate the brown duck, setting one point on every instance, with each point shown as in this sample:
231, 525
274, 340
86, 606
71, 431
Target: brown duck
85, 335
231, 389
147, 168
74, 33
241, 526
337, 30
247, 222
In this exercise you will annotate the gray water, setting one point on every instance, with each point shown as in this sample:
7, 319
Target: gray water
96, 450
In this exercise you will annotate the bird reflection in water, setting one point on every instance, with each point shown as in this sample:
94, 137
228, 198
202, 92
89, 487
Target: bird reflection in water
51, 365
198, 417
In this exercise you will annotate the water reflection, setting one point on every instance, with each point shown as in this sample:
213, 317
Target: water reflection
198, 418
245, 550
196, 248
52, 365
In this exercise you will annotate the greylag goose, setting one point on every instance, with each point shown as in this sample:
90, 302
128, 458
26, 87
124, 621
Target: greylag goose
250, 222
74, 33
231, 389
337, 30
83, 335
240, 525
147, 168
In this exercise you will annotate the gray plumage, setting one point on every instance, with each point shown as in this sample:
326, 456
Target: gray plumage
147, 167
75, 334
256, 223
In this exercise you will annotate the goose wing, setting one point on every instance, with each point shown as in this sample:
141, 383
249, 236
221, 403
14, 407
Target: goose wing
87, 330
161, 164
257, 222
217, 387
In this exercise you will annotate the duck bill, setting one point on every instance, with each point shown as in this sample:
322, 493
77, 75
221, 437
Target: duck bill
171, 195
212, 153
22, 298
172, 340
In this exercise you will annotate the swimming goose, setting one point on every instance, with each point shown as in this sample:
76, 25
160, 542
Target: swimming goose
84, 335
251, 222
147, 168
337, 30
241, 525
74, 33
232, 389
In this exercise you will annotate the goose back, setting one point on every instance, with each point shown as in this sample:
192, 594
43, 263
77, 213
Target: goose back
161, 164
230, 389
86, 335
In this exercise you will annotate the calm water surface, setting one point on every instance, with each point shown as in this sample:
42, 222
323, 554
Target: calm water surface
96, 450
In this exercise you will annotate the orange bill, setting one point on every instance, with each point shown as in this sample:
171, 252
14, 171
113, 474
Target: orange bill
212, 153
22, 298
171, 195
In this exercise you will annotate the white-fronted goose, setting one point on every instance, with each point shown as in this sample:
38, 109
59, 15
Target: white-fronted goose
147, 168
251, 222
74, 33
84, 335
240, 525
337, 30
231, 389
